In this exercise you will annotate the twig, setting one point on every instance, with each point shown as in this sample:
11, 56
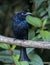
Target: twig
46, 62
25, 43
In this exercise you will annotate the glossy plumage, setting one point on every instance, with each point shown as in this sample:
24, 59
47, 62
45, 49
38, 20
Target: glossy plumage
20, 30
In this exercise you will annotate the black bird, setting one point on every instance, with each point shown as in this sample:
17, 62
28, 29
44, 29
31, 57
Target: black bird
20, 30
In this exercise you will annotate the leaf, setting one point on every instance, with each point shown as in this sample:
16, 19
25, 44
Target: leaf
38, 3
45, 17
35, 59
37, 38
7, 52
4, 46
45, 35
44, 22
49, 64
49, 8
6, 59
24, 63
31, 34
34, 21
15, 58
29, 50
43, 13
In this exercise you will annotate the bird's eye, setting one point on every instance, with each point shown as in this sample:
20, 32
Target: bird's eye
22, 14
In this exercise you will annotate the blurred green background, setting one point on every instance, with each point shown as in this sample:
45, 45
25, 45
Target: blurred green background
40, 9
7, 10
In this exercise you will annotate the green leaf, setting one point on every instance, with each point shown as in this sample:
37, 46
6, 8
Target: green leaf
6, 59
34, 21
45, 35
37, 38
49, 64
31, 34
29, 50
24, 63
15, 58
4, 46
38, 3
43, 13
35, 59
44, 22
49, 8
7, 52
45, 17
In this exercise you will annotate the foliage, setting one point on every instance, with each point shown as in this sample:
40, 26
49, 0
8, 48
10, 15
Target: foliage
31, 20
40, 30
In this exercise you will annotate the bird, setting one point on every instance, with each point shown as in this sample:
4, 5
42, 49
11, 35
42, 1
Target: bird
20, 30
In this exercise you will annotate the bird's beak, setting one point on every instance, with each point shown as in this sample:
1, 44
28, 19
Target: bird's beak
28, 13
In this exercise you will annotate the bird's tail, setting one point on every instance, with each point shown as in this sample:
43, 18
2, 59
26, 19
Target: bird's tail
23, 55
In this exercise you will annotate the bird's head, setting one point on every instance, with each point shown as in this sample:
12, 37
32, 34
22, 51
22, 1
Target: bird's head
21, 15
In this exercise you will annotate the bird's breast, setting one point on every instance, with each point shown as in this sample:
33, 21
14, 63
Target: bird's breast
21, 30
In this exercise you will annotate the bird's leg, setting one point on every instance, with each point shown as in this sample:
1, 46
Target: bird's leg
23, 55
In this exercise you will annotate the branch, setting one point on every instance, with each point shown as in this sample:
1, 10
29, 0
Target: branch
25, 43
46, 63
